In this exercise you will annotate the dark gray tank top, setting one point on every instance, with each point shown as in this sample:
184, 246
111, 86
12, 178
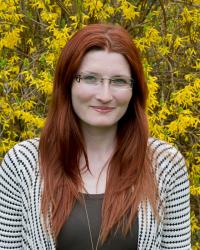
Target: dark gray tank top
75, 235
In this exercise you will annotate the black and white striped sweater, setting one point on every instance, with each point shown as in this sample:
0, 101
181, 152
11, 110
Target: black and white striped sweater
21, 226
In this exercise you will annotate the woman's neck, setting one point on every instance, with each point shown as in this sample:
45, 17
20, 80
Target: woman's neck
99, 140
100, 144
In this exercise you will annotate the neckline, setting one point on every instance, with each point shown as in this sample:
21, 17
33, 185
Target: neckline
93, 196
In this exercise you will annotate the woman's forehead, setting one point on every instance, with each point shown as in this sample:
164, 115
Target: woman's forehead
105, 62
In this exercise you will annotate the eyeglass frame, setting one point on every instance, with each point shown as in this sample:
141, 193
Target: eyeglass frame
78, 79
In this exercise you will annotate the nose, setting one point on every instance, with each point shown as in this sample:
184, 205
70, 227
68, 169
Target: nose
104, 94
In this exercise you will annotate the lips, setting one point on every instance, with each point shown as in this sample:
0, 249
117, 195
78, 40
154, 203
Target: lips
102, 109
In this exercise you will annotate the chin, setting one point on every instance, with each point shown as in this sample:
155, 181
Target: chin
100, 124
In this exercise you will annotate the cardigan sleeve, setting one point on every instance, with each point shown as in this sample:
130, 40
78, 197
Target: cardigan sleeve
10, 202
176, 233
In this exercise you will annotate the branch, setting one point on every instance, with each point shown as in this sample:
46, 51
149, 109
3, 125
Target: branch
40, 23
164, 16
62, 6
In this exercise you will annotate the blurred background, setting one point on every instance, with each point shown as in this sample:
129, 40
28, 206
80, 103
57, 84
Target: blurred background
32, 33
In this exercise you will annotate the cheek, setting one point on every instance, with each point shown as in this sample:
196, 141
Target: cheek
80, 95
80, 99
125, 98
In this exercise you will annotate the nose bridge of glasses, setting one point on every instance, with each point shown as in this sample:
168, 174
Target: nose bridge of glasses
105, 80
105, 91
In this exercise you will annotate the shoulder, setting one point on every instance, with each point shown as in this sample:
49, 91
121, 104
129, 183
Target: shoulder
161, 147
23, 155
164, 152
28, 147
167, 161
25, 149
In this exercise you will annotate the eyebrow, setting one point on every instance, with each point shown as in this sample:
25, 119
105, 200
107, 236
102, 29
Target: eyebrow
90, 72
121, 76
95, 73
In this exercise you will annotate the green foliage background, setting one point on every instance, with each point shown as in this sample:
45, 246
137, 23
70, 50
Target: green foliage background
165, 31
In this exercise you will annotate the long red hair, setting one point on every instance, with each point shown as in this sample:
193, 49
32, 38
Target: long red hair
130, 177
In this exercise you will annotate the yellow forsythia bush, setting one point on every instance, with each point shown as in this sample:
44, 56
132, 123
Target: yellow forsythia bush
166, 33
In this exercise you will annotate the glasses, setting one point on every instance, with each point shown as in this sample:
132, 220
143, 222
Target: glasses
116, 82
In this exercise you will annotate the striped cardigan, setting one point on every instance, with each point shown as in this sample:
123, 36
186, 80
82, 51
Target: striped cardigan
21, 226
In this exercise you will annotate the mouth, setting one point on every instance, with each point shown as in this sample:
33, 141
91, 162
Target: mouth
102, 109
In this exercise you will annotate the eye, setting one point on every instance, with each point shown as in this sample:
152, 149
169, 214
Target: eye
119, 81
90, 78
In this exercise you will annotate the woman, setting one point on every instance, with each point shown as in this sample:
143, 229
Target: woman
94, 180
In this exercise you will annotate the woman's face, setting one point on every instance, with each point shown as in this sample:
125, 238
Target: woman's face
103, 104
